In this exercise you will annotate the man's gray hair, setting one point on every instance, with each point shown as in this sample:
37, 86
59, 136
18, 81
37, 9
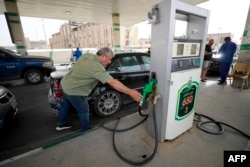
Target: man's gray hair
105, 51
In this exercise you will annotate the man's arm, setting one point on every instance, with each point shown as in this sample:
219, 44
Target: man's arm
117, 85
221, 50
207, 53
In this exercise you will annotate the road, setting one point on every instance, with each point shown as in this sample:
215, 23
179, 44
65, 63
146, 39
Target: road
35, 123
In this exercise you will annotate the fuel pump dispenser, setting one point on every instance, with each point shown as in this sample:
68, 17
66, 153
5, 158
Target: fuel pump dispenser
177, 62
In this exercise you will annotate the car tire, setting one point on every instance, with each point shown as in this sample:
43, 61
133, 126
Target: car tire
33, 76
107, 103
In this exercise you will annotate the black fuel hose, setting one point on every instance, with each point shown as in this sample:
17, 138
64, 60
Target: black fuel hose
201, 124
123, 130
140, 112
126, 129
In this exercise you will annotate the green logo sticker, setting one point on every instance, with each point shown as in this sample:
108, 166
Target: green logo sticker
186, 100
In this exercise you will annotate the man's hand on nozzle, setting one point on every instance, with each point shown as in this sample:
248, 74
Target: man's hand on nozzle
135, 95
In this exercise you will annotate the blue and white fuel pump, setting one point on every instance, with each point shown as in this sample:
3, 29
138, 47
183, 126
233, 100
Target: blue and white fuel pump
177, 62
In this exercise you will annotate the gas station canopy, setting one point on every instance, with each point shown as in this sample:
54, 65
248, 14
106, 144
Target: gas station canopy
97, 11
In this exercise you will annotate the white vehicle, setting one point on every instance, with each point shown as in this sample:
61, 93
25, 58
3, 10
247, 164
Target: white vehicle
8, 107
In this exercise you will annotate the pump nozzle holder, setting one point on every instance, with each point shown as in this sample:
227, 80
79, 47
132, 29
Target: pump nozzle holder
158, 96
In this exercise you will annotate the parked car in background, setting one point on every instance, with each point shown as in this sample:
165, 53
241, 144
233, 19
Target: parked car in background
132, 69
214, 67
31, 68
8, 107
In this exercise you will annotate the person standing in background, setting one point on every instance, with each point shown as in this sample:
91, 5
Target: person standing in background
148, 51
207, 59
78, 54
227, 51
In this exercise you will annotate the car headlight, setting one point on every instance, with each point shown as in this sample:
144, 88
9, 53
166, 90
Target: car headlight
48, 64
217, 55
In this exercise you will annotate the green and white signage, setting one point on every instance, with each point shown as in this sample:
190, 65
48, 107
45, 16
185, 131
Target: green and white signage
186, 100
245, 44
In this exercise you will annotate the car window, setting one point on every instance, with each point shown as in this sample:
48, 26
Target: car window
11, 52
115, 66
146, 61
3, 55
130, 64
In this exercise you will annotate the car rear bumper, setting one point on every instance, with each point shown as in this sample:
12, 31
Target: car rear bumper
49, 70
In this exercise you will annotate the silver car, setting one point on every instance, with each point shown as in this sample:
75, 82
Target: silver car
8, 107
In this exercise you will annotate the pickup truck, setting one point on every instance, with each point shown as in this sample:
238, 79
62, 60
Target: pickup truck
31, 68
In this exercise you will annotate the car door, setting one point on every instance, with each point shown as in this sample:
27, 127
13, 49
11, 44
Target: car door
8, 66
129, 70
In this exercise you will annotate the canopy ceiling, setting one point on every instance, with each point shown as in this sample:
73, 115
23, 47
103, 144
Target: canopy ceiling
97, 11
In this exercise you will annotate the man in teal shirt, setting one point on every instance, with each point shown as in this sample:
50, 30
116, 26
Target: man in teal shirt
81, 80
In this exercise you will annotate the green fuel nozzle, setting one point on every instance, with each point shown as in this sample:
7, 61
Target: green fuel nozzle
148, 88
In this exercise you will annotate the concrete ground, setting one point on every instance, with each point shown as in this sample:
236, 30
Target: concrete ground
194, 148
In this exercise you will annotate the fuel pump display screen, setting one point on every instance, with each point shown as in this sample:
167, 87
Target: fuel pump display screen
185, 49
185, 54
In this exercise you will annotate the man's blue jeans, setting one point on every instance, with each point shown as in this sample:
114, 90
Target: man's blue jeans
80, 103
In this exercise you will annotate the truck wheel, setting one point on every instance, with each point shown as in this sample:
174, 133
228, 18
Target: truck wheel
107, 103
33, 76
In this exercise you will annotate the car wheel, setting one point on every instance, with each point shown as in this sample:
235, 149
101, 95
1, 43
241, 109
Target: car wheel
33, 76
107, 103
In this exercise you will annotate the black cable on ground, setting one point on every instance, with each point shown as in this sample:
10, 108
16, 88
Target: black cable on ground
212, 121
122, 130
221, 129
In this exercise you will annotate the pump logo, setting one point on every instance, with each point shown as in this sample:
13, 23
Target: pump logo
186, 99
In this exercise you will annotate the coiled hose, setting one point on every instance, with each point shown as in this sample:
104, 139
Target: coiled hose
201, 124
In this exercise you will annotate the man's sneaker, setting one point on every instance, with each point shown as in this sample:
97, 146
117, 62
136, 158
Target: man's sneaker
65, 126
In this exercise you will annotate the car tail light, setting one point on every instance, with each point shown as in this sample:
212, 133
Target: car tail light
57, 89
5, 98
